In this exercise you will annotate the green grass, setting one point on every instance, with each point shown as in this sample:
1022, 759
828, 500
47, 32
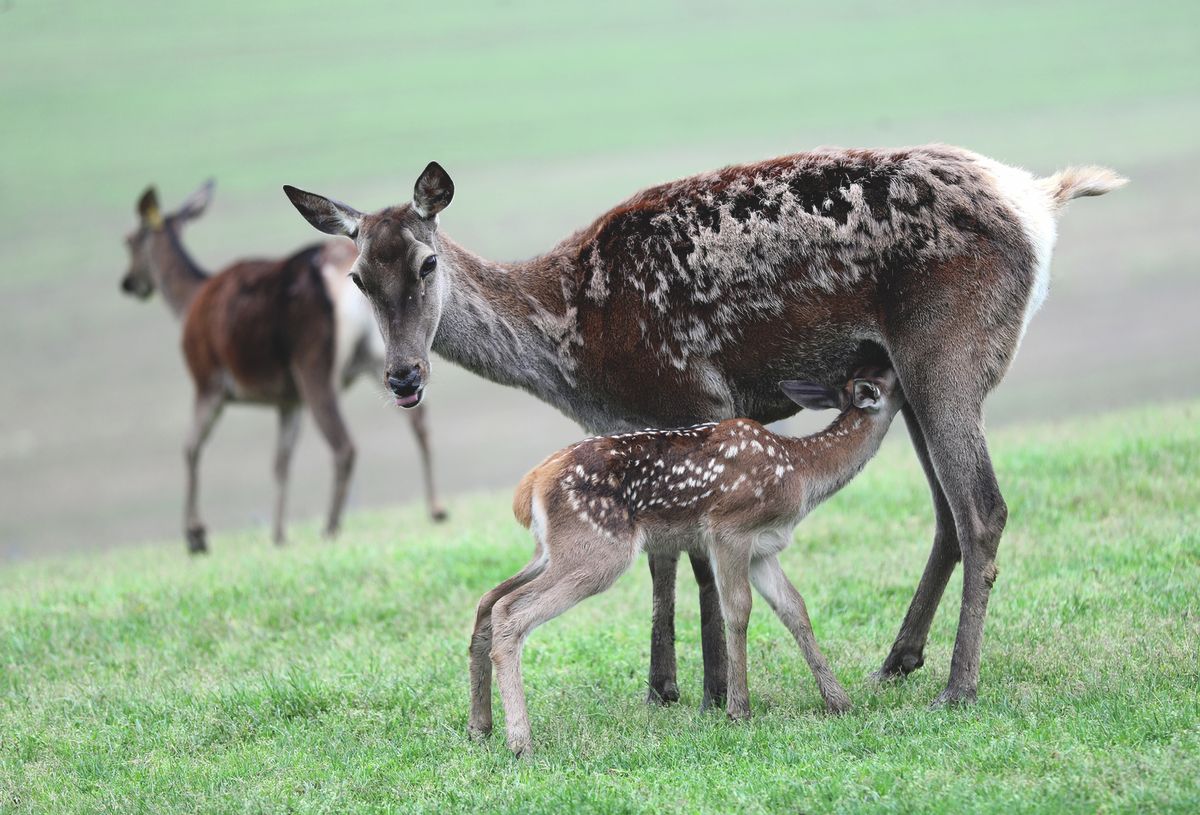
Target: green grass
332, 678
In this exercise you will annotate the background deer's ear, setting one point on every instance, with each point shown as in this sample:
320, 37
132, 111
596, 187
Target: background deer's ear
866, 394
433, 191
197, 202
329, 216
148, 209
809, 395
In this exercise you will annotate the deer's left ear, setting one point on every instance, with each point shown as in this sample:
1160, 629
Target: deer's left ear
197, 202
866, 394
433, 191
809, 395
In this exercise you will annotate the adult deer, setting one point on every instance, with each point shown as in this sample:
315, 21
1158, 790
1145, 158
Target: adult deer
690, 300
282, 333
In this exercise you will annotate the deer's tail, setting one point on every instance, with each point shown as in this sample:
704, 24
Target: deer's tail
1079, 182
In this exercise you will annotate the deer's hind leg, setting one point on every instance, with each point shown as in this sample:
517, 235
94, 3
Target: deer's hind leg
783, 598
315, 383
567, 580
479, 725
289, 431
206, 410
420, 428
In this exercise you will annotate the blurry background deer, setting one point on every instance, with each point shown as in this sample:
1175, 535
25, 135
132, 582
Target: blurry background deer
545, 114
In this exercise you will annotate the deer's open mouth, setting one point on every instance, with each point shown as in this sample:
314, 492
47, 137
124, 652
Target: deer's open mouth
411, 400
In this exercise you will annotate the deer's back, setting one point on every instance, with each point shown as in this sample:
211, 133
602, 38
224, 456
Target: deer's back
713, 287
256, 320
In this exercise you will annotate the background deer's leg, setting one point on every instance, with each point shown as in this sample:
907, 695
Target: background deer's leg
417, 417
316, 388
289, 431
206, 409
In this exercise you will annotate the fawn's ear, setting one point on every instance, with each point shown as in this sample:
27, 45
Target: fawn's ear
197, 202
809, 395
148, 209
433, 191
329, 216
866, 394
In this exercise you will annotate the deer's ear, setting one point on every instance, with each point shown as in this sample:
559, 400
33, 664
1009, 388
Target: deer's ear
197, 202
147, 207
866, 394
329, 216
433, 191
809, 395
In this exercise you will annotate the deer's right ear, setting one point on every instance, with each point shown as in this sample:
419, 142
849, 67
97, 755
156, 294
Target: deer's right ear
433, 191
147, 207
809, 395
329, 216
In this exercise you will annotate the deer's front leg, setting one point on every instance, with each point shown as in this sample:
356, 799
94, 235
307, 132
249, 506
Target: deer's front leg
712, 634
663, 686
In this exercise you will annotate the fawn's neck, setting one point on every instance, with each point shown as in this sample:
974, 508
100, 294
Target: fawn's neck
829, 459
177, 276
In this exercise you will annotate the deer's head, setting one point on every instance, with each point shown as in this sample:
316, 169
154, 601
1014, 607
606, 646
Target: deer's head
397, 270
870, 390
153, 227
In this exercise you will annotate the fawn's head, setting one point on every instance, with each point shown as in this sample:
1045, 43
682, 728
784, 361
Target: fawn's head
870, 390
154, 227
397, 270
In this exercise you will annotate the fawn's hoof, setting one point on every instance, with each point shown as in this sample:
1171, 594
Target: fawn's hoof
954, 696
662, 692
898, 666
438, 515
197, 540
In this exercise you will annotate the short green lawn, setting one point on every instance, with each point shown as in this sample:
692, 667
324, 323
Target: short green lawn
332, 677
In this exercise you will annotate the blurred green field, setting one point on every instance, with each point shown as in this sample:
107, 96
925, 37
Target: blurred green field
333, 678
546, 114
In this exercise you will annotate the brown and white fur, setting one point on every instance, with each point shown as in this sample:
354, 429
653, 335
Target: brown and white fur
732, 491
689, 301
283, 333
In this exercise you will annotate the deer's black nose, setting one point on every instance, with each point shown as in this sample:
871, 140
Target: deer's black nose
404, 382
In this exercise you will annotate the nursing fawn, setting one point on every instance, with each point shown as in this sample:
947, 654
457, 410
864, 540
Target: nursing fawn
731, 491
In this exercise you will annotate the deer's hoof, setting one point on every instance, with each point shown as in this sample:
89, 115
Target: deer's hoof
954, 696
438, 515
197, 540
479, 732
712, 700
330, 533
838, 703
738, 713
521, 746
898, 666
662, 692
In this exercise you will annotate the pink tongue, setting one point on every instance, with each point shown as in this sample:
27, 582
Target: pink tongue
405, 401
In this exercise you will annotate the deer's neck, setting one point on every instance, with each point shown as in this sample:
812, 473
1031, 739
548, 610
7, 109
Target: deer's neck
178, 276
829, 459
508, 322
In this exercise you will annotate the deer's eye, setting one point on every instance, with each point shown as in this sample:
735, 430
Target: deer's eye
428, 265
358, 282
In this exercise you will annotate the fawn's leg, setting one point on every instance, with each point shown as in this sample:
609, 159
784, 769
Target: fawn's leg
480, 723
731, 563
560, 586
770, 581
